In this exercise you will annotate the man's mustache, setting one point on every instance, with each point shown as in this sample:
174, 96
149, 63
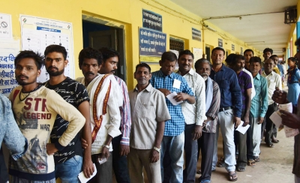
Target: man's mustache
23, 76
89, 73
204, 74
52, 67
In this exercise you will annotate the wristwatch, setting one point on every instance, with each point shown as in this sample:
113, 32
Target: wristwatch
156, 149
107, 146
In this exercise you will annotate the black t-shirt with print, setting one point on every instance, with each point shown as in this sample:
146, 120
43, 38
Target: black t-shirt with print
74, 93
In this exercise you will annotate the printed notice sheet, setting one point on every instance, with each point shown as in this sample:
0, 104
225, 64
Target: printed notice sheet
38, 33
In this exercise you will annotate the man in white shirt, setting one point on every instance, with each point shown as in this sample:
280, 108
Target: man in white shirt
274, 80
194, 114
104, 93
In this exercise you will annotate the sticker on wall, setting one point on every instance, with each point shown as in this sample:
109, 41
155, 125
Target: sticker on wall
196, 34
37, 33
220, 43
152, 20
5, 26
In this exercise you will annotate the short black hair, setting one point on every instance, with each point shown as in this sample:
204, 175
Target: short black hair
238, 57
273, 56
218, 48
230, 59
37, 57
56, 48
108, 53
168, 55
90, 53
249, 50
255, 59
293, 59
268, 50
200, 61
186, 52
143, 65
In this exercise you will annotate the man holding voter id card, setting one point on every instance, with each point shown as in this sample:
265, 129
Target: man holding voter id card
168, 83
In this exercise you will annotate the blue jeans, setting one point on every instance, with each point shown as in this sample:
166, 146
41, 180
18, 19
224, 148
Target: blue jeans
69, 170
225, 122
175, 146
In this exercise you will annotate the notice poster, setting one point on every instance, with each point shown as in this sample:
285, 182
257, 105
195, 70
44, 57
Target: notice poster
38, 33
152, 45
8, 50
5, 26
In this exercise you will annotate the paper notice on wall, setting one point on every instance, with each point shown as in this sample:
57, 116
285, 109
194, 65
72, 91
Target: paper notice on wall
5, 26
38, 33
8, 51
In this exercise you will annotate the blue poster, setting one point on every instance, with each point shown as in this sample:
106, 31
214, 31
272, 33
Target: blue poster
152, 43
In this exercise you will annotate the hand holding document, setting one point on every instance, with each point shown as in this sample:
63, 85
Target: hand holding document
172, 100
83, 179
242, 129
277, 120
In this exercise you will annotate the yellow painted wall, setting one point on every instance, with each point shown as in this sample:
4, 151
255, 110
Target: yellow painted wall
127, 14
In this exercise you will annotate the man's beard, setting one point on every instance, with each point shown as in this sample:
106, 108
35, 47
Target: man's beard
204, 76
55, 73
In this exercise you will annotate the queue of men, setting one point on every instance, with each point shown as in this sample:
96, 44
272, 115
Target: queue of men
158, 128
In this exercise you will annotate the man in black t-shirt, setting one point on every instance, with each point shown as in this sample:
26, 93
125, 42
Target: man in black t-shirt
68, 161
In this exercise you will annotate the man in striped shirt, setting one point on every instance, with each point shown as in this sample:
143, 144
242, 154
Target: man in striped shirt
120, 143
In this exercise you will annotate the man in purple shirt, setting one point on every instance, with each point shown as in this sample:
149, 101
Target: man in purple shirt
246, 87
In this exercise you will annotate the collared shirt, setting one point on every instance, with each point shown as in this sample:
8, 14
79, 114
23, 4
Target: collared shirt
213, 110
148, 108
125, 113
259, 104
10, 133
252, 89
274, 80
111, 120
194, 113
245, 84
174, 83
231, 95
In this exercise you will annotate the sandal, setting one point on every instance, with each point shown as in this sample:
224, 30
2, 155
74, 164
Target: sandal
232, 176
256, 159
251, 162
241, 169
221, 162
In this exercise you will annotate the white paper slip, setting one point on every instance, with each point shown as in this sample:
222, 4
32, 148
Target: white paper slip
290, 132
242, 129
172, 100
286, 107
83, 179
276, 119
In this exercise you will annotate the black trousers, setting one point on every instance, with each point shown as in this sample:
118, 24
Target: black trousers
270, 126
206, 145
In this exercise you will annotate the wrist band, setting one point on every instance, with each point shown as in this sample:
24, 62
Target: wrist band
156, 149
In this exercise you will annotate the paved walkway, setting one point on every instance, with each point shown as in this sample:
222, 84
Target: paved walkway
275, 165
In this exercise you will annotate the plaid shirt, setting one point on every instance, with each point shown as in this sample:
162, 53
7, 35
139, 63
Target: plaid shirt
176, 125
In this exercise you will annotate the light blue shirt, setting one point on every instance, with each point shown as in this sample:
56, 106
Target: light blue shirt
174, 126
259, 103
10, 133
